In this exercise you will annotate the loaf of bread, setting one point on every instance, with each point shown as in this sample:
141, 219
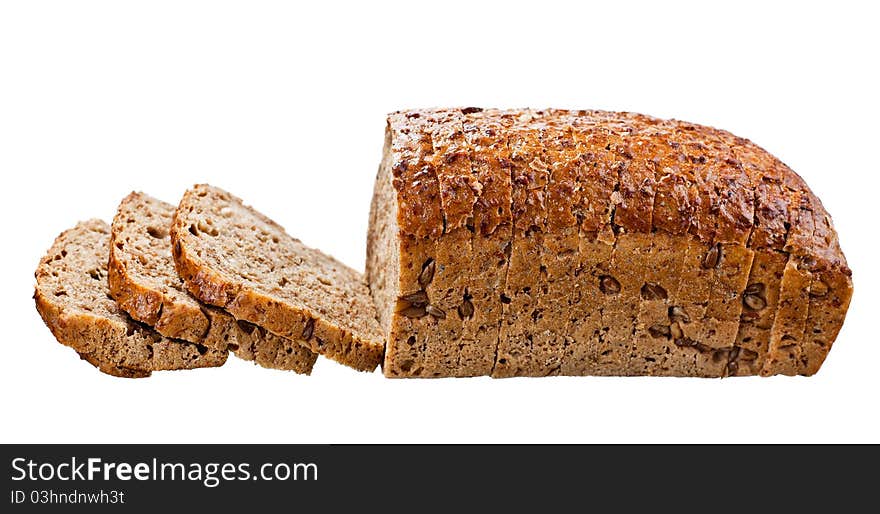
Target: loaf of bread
233, 257
144, 282
73, 297
534, 243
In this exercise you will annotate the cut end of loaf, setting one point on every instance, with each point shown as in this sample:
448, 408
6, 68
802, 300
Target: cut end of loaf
383, 263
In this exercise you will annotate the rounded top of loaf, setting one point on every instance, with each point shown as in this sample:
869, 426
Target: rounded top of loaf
668, 175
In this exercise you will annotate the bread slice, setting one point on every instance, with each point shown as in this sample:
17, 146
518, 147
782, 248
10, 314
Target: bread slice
452, 279
403, 272
74, 300
231, 256
594, 208
559, 245
490, 241
529, 177
145, 284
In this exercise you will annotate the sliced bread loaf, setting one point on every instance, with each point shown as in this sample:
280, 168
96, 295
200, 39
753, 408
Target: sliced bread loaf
699, 253
145, 284
233, 257
73, 298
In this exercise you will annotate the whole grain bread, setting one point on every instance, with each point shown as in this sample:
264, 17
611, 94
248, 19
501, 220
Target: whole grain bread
146, 285
233, 257
73, 298
619, 244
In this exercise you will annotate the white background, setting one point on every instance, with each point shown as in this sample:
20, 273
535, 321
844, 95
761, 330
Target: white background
284, 105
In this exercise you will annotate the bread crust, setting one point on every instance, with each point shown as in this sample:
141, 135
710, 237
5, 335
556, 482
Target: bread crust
693, 143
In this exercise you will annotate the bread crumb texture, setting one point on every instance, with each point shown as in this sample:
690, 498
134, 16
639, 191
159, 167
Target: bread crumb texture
73, 297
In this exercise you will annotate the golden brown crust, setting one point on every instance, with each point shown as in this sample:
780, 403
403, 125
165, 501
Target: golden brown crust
418, 190
682, 151
459, 188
